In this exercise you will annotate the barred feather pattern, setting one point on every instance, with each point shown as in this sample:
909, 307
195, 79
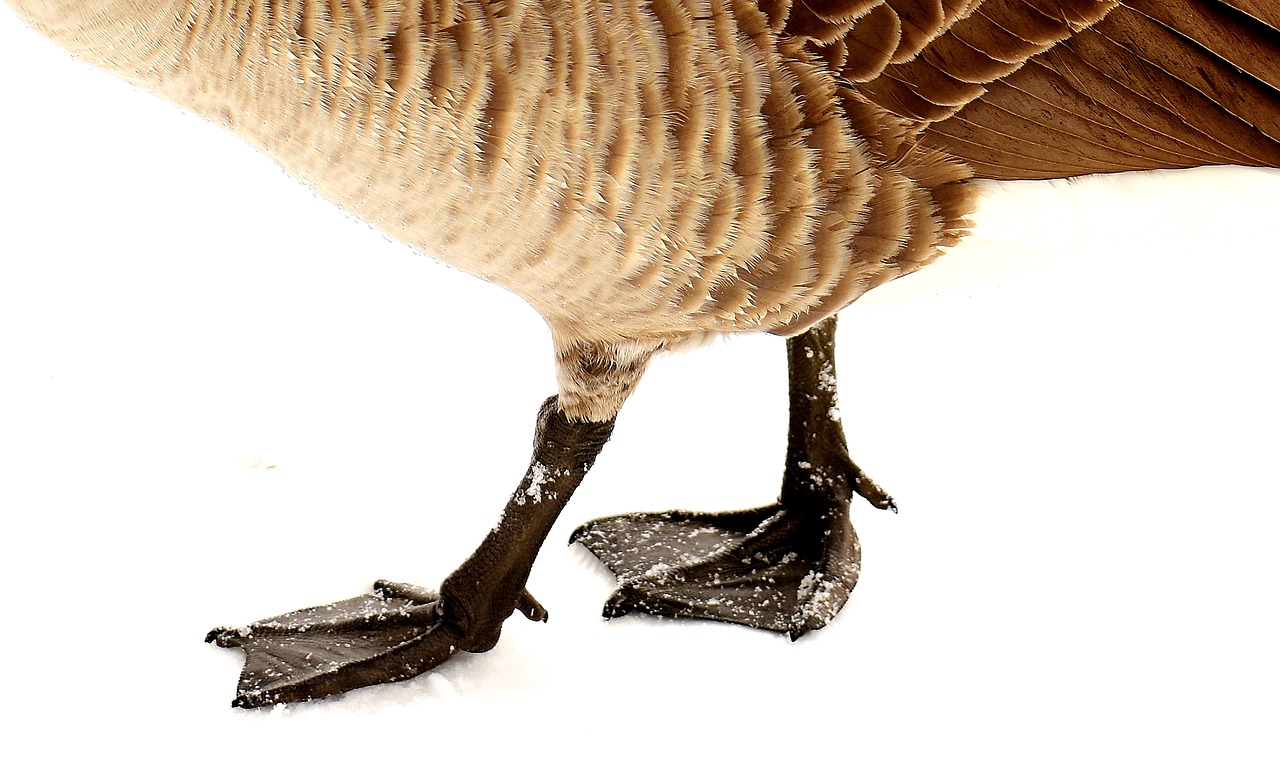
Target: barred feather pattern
647, 173
642, 173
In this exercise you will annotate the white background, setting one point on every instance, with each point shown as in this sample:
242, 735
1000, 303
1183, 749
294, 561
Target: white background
220, 399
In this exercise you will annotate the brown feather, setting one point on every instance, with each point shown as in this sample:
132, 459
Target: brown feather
646, 173
1131, 92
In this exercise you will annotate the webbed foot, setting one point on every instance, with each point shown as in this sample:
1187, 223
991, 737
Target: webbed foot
787, 567
769, 568
399, 631
378, 637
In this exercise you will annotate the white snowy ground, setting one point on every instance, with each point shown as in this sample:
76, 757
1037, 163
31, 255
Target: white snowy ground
221, 399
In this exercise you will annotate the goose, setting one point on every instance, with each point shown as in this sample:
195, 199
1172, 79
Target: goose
649, 176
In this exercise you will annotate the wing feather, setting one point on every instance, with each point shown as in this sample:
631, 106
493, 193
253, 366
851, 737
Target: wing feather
1183, 88
1051, 88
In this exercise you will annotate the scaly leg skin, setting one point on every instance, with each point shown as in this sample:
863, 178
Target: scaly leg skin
399, 631
789, 566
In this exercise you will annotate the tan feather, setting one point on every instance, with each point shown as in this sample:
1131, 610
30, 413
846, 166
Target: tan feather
650, 173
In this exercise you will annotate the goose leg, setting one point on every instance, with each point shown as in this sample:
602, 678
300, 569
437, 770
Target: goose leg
788, 566
399, 631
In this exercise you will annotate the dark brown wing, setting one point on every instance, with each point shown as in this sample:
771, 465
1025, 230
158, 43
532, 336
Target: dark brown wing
1155, 84
1049, 88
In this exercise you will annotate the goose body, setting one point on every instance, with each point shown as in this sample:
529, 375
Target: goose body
649, 174
636, 192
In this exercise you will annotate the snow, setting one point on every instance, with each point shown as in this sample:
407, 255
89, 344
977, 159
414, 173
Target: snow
539, 477
1075, 413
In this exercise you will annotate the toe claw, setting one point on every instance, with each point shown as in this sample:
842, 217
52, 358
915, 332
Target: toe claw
531, 608
866, 487
618, 604
227, 637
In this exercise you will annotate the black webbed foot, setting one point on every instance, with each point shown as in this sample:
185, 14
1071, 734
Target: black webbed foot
399, 631
769, 568
788, 566
391, 634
